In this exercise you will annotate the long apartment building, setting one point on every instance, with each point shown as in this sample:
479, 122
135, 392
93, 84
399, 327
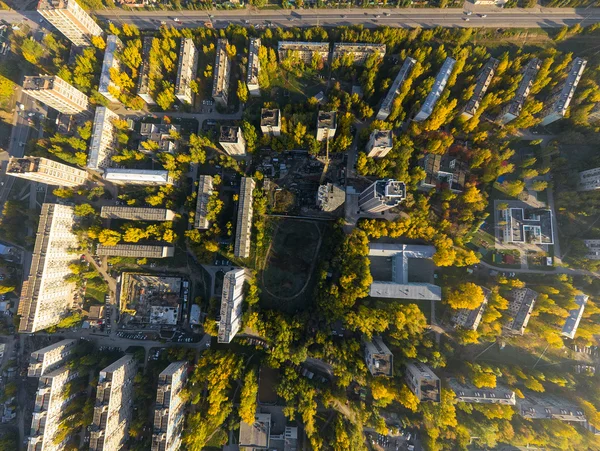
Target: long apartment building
270, 121
205, 190
186, 70
46, 297
483, 82
103, 141
106, 87
359, 51
382, 195
243, 228
57, 93
380, 143
470, 319
521, 303
305, 51
386, 106
169, 408
253, 67
43, 170
113, 408
70, 19
513, 109
232, 140
436, 92
50, 402
50, 358
466, 392
136, 213
559, 101
232, 299
137, 176
572, 322
222, 73
143, 85
136, 250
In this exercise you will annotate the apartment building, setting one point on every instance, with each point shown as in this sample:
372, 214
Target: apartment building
572, 322
205, 190
483, 82
521, 303
513, 109
136, 213
71, 20
104, 139
593, 252
544, 406
120, 176
470, 319
589, 180
106, 87
143, 86
50, 402
326, 125
113, 408
136, 250
222, 72
422, 381
169, 408
305, 51
436, 92
48, 359
443, 172
186, 70
380, 143
359, 52
232, 299
270, 121
381, 196
232, 140
560, 99
57, 93
466, 392
253, 67
46, 297
243, 228
378, 357
386, 106
43, 170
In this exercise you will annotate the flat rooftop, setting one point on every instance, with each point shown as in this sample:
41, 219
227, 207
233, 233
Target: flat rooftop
229, 134
39, 82
382, 138
270, 117
256, 435
327, 119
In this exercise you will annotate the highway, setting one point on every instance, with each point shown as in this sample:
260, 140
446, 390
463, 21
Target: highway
395, 17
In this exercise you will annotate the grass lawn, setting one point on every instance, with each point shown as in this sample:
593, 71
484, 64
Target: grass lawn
96, 290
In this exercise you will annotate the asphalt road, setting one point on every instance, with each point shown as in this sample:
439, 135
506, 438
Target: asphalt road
407, 18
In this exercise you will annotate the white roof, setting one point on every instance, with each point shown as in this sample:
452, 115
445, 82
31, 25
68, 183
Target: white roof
137, 175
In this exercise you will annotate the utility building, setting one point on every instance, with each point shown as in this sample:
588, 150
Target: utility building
103, 141
169, 410
232, 140
205, 190
380, 143
388, 101
270, 121
436, 92
232, 299
483, 82
381, 196
222, 72
560, 99
243, 230
253, 67
186, 71
71, 20
57, 93
513, 109
43, 170
106, 87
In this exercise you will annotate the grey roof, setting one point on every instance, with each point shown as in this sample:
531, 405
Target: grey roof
572, 322
425, 291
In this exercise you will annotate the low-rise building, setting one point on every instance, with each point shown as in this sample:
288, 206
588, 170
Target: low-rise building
326, 125
589, 180
43, 170
560, 99
359, 51
443, 172
136, 250
388, 101
483, 82
205, 190
330, 197
470, 319
594, 115
527, 226
137, 176
256, 435
96, 312
222, 72
253, 67
436, 91
186, 71
136, 213
545, 406
469, 393
232, 140
232, 299
572, 322
57, 93
521, 303
169, 411
270, 121
103, 141
165, 135
106, 86
143, 86
593, 252
381, 196
378, 357
305, 51
243, 230
513, 109
423, 382
50, 358
380, 143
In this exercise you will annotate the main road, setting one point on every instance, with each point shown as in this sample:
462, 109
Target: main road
495, 17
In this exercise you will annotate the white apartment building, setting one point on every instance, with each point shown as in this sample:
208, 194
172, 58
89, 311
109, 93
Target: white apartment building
380, 143
521, 303
57, 93
232, 299
205, 190
589, 180
559, 101
381, 196
303, 50
243, 230
513, 109
114, 399
359, 51
378, 357
326, 125
436, 92
71, 20
143, 86
232, 140
104, 137
43, 170
572, 322
106, 87
46, 297
253, 67
386, 106
169, 410
186, 70
222, 72
120, 176
469, 393
136, 250
270, 121
50, 358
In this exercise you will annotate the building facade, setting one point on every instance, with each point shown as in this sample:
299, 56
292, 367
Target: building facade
205, 190
305, 51
589, 180
483, 82
46, 297
136, 213
560, 99
381, 196
103, 141
106, 87
232, 140
270, 121
143, 86
253, 67
43, 170
359, 52
186, 71
469, 393
51, 357
169, 408
71, 20
57, 93
232, 299
222, 73
438, 87
513, 109
326, 125
423, 382
521, 303
137, 176
386, 106
243, 230
378, 357
136, 250
380, 143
